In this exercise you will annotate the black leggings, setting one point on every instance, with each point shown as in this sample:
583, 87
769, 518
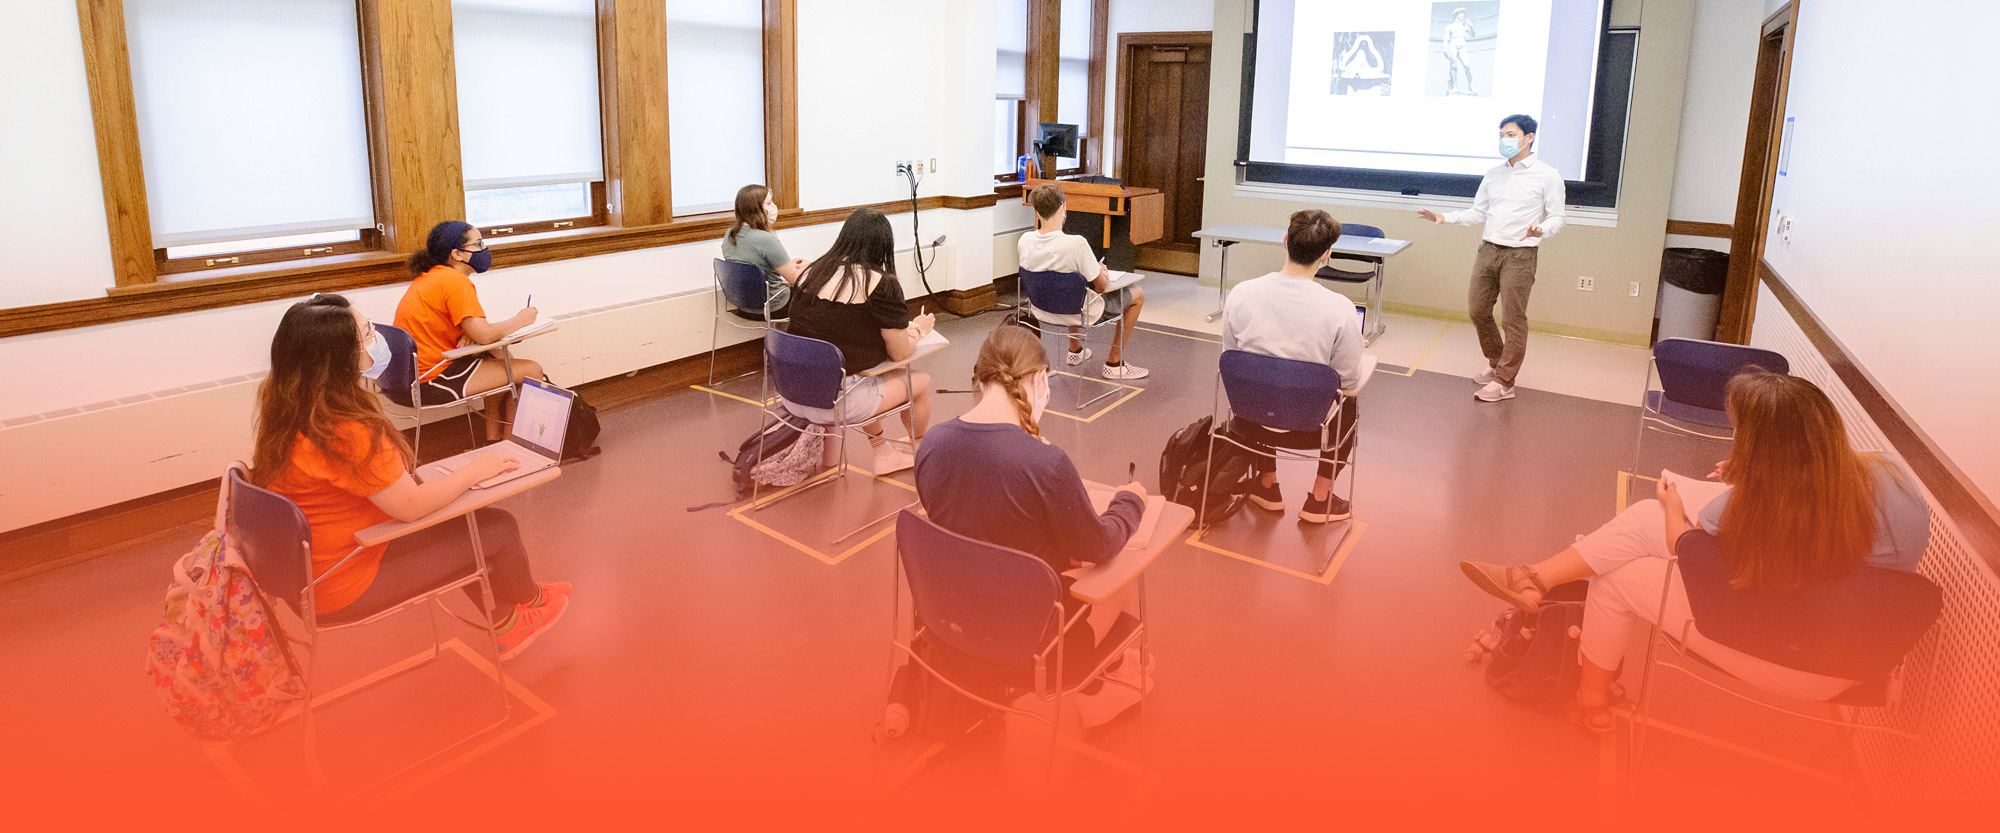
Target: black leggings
1264, 439
442, 554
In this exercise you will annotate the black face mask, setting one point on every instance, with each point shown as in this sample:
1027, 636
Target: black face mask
482, 260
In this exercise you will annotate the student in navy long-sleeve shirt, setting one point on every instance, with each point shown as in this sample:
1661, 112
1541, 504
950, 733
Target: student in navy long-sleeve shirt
989, 475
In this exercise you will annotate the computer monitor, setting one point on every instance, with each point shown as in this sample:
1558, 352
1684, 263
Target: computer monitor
1057, 140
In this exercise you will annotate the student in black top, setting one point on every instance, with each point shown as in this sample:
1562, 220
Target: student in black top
850, 297
990, 475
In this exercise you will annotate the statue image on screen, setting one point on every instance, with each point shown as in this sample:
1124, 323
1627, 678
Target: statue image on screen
1363, 62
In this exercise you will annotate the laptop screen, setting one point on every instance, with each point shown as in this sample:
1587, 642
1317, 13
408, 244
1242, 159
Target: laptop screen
541, 418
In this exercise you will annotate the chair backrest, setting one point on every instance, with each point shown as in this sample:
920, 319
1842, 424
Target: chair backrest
806, 371
1855, 628
742, 284
1055, 293
401, 376
272, 535
1359, 230
1285, 394
1697, 373
982, 600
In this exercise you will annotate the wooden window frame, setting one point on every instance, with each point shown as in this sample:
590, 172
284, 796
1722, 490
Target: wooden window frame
367, 240
1044, 72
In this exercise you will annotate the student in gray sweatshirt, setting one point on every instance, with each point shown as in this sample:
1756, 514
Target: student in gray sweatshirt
1289, 315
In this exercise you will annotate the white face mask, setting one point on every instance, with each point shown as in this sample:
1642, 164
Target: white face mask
378, 354
770, 212
1038, 395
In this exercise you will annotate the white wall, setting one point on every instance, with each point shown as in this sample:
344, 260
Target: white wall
52, 226
1889, 241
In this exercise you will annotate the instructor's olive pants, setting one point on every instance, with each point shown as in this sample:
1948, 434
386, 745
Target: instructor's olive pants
1505, 274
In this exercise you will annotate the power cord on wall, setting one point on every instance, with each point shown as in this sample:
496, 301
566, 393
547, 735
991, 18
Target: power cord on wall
917, 252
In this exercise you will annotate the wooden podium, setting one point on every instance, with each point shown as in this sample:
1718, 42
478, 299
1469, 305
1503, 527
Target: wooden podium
1114, 218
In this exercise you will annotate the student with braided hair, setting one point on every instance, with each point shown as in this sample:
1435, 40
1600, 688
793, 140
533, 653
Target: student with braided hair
990, 475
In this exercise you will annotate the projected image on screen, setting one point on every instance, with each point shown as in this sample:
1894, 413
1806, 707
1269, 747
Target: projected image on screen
1464, 37
1363, 62
1433, 106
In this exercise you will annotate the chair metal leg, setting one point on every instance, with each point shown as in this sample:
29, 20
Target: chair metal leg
714, 338
314, 770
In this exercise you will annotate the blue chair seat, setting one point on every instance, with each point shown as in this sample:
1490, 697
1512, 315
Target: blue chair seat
1657, 402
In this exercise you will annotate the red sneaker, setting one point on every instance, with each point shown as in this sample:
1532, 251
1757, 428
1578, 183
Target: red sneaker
531, 622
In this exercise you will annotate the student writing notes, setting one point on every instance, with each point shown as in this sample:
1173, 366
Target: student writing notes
1049, 249
989, 475
850, 297
324, 442
1288, 315
441, 311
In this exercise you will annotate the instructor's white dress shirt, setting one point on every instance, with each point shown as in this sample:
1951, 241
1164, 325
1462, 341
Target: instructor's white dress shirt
1512, 197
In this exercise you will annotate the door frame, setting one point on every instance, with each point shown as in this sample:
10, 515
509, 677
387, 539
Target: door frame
1129, 43
1762, 142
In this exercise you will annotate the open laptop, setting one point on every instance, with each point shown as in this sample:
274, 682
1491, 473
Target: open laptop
541, 417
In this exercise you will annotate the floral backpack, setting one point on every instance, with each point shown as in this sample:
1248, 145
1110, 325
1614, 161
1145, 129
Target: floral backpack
220, 662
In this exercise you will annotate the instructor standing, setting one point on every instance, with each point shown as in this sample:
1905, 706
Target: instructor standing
1520, 203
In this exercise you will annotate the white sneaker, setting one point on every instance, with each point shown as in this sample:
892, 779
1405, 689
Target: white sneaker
1126, 370
1494, 392
891, 458
1075, 358
1486, 376
1110, 701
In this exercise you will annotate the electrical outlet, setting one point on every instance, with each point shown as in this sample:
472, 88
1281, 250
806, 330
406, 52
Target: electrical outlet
1586, 284
920, 167
1635, 289
933, 164
902, 167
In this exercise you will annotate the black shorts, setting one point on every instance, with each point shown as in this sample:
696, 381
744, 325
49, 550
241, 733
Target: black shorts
449, 385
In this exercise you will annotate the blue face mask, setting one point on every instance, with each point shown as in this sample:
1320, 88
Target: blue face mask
482, 260
378, 351
1509, 147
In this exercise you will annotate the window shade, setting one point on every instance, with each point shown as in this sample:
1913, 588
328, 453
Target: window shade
251, 120
715, 101
1010, 78
527, 92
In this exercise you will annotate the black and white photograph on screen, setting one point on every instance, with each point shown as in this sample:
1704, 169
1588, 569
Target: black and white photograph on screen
1363, 62
1464, 37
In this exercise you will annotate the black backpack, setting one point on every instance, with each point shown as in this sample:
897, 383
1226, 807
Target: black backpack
1534, 658
580, 442
777, 435
1187, 479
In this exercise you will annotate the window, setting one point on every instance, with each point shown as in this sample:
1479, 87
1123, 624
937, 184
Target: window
1010, 86
715, 99
259, 151
530, 132
1073, 99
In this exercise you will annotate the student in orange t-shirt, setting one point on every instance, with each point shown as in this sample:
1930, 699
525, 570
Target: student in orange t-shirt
324, 442
441, 311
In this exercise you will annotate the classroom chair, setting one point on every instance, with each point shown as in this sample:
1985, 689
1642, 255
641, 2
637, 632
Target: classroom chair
1050, 303
1298, 398
1365, 275
276, 544
401, 386
1862, 628
741, 294
1002, 607
1694, 386
809, 372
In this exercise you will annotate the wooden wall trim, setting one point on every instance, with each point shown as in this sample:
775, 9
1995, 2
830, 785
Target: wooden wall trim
632, 59
1762, 134
250, 285
1044, 70
1972, 511
412, 87
781, 101
1698, 229
108, 74
1100, 29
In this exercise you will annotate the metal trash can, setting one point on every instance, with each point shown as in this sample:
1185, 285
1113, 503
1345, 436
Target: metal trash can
1690, 303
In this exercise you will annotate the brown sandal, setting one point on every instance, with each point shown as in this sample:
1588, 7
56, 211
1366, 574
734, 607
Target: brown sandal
1509, 584
1597, 720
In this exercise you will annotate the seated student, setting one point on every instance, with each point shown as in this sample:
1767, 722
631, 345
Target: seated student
750, 241
990, 475
850, 297
441, 311
1289, 315
324, 442
1804, 507
1048, 249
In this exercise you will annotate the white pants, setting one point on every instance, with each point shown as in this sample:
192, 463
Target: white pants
1629, 557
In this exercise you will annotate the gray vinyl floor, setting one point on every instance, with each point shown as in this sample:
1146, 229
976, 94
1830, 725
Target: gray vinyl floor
718, 654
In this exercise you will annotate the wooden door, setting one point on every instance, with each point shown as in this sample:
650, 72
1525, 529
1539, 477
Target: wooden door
1163, 131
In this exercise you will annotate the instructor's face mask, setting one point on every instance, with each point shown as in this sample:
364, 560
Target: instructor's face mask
1509, 146
378, 355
